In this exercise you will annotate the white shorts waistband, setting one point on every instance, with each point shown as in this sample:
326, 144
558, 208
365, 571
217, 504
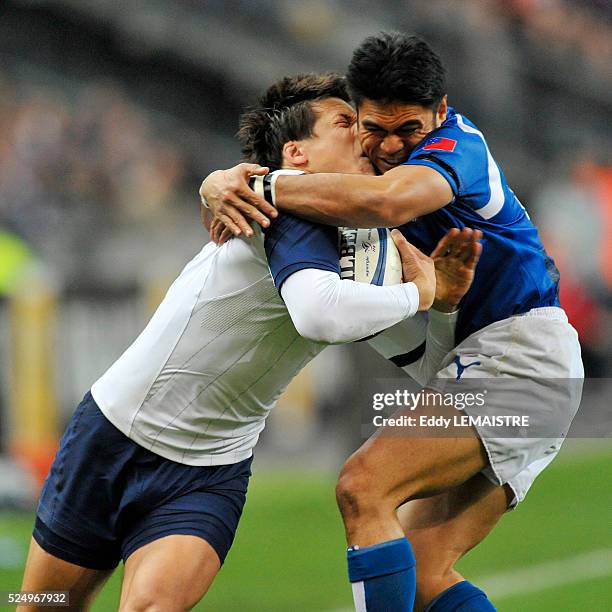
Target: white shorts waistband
546, 312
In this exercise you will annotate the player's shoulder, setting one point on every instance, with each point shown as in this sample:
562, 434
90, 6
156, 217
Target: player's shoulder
289, 227
457, 150
286, 221
461, 125
457, 135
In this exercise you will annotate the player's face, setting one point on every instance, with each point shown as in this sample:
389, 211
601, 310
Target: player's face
389, 132
335, 146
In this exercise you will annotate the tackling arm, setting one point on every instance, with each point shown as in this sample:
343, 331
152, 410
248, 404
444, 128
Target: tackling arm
351, 200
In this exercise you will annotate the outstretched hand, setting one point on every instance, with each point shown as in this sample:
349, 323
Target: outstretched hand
455, 259
233, 202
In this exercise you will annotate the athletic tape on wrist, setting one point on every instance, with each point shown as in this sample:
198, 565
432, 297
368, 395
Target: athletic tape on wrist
265, 186
256, 184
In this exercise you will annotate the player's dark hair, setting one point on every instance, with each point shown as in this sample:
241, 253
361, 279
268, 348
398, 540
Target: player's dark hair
285, 113
396, 67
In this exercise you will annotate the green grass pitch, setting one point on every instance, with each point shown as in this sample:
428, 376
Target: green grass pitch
289, 550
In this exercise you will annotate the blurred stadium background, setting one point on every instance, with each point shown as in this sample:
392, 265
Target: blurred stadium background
112, 112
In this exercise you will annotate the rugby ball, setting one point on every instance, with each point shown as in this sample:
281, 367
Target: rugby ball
369, 256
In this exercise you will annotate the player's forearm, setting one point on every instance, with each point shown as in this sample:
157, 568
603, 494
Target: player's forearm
325, 308
439, 342
349, 200
354, 200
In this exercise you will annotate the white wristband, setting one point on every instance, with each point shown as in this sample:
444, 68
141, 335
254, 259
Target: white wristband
265, 186
274, 177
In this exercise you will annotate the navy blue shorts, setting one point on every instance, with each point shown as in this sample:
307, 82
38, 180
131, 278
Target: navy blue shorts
106, 496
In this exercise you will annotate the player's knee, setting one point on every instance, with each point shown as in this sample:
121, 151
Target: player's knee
351, 487
147, 605
156, 600
357, 493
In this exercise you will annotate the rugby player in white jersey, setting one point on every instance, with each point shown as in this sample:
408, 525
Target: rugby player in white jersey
154, 465
513, 338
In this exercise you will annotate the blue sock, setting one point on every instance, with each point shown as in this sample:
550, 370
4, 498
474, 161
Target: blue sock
383, 576
461, 597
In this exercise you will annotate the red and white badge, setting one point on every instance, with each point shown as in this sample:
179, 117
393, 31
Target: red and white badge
440, 143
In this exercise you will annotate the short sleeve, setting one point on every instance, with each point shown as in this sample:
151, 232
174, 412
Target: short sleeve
294, 244
460, 157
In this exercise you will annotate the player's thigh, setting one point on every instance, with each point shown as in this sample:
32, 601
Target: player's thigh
401, 464
171, 574
44, 572
444, 527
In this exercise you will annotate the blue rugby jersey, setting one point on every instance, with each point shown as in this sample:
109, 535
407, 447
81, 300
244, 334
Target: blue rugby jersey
514, 274
293, 244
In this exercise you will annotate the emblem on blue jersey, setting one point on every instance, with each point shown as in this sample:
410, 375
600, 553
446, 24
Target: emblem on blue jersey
439, 143
461, 368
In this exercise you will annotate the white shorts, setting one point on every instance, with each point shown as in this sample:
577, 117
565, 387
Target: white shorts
535, 361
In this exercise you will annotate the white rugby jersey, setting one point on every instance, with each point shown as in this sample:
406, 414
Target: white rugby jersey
198, 383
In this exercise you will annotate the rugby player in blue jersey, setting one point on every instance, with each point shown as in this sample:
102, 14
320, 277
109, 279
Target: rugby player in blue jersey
406, 497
